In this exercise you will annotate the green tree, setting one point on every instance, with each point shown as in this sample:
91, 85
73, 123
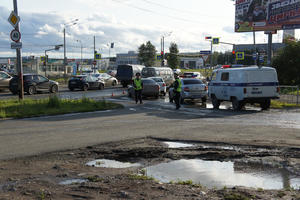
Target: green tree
287, 64
172, 57
146, 54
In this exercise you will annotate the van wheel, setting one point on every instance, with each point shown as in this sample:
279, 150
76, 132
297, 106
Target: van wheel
265, 105
101, 87
236, 104
215, 102
31, 90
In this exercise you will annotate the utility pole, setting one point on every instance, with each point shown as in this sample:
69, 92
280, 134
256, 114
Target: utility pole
255, 49
269, 48
19, 59
94, 53
65, 57
211, 54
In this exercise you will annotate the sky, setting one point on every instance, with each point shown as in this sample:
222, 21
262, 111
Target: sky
126, 23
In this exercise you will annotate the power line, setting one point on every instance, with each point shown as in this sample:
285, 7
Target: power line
154, 12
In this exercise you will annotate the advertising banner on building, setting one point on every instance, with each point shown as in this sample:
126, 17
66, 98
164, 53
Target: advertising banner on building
266, 15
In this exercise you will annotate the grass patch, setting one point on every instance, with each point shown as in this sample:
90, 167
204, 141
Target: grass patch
278, 104
52, 106
141, 177
204, 72
235, 196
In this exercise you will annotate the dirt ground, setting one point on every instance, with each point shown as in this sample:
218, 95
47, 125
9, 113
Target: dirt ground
39, 177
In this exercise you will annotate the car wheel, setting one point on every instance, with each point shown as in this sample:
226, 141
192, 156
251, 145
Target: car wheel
215, 102
203, 99
164, 94
156, 96
85, 87
54, 89
114, 83
265, 105
236, 104
101, 87
124, 85
71, 89
31, 90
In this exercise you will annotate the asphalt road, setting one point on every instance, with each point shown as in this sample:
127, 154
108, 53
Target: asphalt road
155, 118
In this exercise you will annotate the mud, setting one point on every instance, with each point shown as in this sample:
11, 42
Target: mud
41, 177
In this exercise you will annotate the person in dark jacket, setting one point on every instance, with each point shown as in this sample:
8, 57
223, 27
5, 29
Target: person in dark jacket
177, 90
138, 88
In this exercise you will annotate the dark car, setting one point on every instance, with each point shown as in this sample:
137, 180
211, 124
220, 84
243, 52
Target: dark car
150, 88
125, 73
85, 82
33, 83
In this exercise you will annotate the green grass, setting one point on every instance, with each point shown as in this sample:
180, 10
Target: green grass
61, 80
52, 106
279, 105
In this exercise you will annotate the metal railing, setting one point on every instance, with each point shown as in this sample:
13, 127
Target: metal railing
289, 94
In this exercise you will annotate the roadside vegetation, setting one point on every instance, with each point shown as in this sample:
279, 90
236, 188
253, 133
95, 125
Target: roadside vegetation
278, 105
52, 106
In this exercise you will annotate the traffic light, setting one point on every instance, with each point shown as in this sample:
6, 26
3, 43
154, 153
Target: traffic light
233, 52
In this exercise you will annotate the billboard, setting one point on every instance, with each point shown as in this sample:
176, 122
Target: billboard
266, 15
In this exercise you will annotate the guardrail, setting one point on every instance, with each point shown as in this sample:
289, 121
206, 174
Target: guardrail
289, 94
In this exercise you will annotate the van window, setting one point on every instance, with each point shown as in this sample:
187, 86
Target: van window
214, 76
225, 76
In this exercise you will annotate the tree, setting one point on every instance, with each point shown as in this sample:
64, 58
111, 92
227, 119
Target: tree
146, 54
172, 57
287, 64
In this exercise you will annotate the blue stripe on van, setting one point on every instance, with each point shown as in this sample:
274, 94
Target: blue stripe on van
245, 84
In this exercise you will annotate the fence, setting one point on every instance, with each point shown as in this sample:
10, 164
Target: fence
289, 94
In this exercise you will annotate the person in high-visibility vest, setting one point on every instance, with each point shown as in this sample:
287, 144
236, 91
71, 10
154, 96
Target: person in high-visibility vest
177, 90
138, 88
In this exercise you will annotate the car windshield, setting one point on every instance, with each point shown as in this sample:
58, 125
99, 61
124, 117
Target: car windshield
28, 78
148, 81
159, 80
192, 81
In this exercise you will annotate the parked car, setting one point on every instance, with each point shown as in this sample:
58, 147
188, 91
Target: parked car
112, 72
165, 73
196, 75
162, 85
150, 88
178, 71
108, 79
4, 80
85, 82
191, 89
243, 85
33, 83
125, 73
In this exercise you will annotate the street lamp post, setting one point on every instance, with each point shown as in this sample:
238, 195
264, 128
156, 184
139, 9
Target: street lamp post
80, 52
163, 47
56, 48
74, 22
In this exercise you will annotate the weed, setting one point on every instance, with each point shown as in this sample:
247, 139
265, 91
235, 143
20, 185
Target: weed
281, 194
94, 179
189, 182
260, 189
2, 113
54, 102
141, 177
42, 195
235, 196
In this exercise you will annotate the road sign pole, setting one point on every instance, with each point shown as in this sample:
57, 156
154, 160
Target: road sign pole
269, 49
19, 59
211, 53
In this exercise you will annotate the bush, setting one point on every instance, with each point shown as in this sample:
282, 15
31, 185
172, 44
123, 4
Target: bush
54, 102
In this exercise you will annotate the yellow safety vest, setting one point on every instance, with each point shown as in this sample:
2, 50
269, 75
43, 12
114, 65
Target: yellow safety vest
179, 85
138, 84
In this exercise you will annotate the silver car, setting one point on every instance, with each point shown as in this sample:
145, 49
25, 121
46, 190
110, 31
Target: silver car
4, 80
191, 89
108, 79
150, 88
162, 85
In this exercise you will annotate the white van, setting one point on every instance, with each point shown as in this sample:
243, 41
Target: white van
244, 85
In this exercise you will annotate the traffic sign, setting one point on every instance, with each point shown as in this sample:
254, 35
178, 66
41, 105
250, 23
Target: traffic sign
97, 56
240, 55
13, 19
15, 35
94, 62
215, 40
205, 52
205, 57
16, 45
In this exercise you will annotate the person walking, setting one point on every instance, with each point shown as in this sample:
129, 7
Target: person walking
177, 90
138, 88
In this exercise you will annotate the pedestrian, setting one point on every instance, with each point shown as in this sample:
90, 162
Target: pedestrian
177, 90
138, 88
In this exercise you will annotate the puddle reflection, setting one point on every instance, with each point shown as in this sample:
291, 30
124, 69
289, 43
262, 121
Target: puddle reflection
178, 145
111, 164
219, 174
73, 181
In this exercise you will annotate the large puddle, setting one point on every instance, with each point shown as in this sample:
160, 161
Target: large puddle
223, 174
111, 164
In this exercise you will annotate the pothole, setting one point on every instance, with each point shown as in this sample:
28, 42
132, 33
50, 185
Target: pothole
105, 163
223, 174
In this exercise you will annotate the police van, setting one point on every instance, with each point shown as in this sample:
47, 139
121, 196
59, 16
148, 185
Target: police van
243, 85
